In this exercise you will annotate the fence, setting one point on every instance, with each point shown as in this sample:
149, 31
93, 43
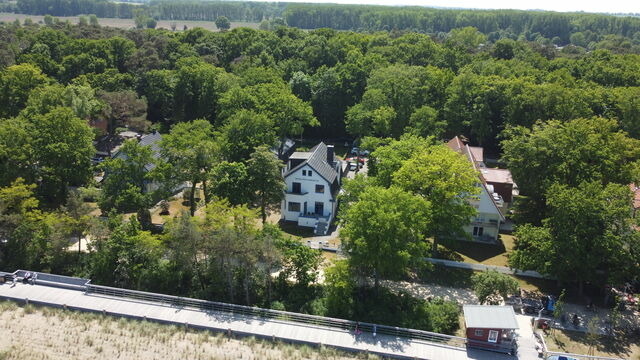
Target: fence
340, 324
260, 313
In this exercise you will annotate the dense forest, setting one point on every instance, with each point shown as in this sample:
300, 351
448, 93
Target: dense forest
545, 27
566, 121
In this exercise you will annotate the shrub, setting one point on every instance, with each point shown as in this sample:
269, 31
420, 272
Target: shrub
490, 283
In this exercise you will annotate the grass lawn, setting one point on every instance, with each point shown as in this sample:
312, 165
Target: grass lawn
479, 253
578, 343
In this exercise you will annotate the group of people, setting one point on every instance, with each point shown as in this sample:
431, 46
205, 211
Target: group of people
28, 278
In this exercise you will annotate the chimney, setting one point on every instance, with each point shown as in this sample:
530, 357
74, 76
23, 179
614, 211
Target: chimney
330, 152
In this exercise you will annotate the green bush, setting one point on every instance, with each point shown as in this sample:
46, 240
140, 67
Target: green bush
277, 305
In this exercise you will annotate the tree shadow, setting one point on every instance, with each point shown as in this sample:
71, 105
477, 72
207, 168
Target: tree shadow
618, 344
478, 251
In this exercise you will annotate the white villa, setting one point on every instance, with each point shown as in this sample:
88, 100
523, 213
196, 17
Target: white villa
313, 183
489, 203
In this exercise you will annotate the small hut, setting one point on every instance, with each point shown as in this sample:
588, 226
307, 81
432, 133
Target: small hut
491, 327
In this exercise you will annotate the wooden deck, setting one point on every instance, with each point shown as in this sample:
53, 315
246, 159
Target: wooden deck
387, 346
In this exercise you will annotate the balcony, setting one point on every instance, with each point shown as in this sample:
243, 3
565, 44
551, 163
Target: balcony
296, 193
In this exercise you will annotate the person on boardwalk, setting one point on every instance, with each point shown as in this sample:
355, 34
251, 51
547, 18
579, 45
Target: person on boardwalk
375, 327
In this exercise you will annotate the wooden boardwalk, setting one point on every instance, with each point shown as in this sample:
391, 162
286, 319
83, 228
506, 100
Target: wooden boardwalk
384, 345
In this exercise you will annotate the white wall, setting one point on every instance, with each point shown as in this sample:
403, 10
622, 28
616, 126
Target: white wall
308, 185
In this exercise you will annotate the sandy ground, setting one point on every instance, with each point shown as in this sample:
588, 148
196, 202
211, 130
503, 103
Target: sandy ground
128, 23
46, 333
425, 291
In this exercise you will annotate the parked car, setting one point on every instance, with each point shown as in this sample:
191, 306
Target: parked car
353, 166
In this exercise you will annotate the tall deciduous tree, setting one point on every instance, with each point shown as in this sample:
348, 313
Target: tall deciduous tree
223, 23
191, 150
265, 180
568, 153
243, 132
63, 148
16, 83
384, 232
587, 236
126, 176
448, 181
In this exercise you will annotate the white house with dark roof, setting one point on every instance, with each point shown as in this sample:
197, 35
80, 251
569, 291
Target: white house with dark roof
313, 182
485, 226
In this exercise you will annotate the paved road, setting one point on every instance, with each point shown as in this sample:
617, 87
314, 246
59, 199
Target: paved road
302, 333
483, 267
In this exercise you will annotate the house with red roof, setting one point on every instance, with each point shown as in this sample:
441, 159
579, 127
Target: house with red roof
496, 192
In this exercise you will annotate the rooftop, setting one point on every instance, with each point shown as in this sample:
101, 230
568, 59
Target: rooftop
489, 317
316, 158
497, 175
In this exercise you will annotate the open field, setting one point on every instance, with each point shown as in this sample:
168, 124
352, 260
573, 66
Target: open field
45, 333
128, 23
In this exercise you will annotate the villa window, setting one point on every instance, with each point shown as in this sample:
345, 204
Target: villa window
478, 231
309, 173
294, 206
320, 189
304, 172
479, 332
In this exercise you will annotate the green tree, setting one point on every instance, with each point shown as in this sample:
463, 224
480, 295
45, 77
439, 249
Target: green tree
300, 262
384, 232
386, 160
191, 151
124, 109
243, 132
549, 153
63, 148
490, 283
16, 84
339, 287
228, 180
586, 236
449, 182
126, 176
17, 158
223, 23
124, 256
265, 184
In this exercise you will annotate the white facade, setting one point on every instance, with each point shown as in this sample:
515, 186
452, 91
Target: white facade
485, 226
311, 198
313, 180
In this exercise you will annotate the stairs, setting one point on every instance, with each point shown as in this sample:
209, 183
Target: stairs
321, 228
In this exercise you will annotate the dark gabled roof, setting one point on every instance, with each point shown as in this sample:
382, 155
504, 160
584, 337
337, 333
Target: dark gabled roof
317, 160
153, 141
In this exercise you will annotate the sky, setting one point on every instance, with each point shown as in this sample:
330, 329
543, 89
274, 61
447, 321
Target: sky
601, 6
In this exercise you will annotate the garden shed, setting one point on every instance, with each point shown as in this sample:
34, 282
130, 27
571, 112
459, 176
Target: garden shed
491, 327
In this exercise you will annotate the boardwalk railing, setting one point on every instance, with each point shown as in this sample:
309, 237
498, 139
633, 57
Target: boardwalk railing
264, 314
260, 313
